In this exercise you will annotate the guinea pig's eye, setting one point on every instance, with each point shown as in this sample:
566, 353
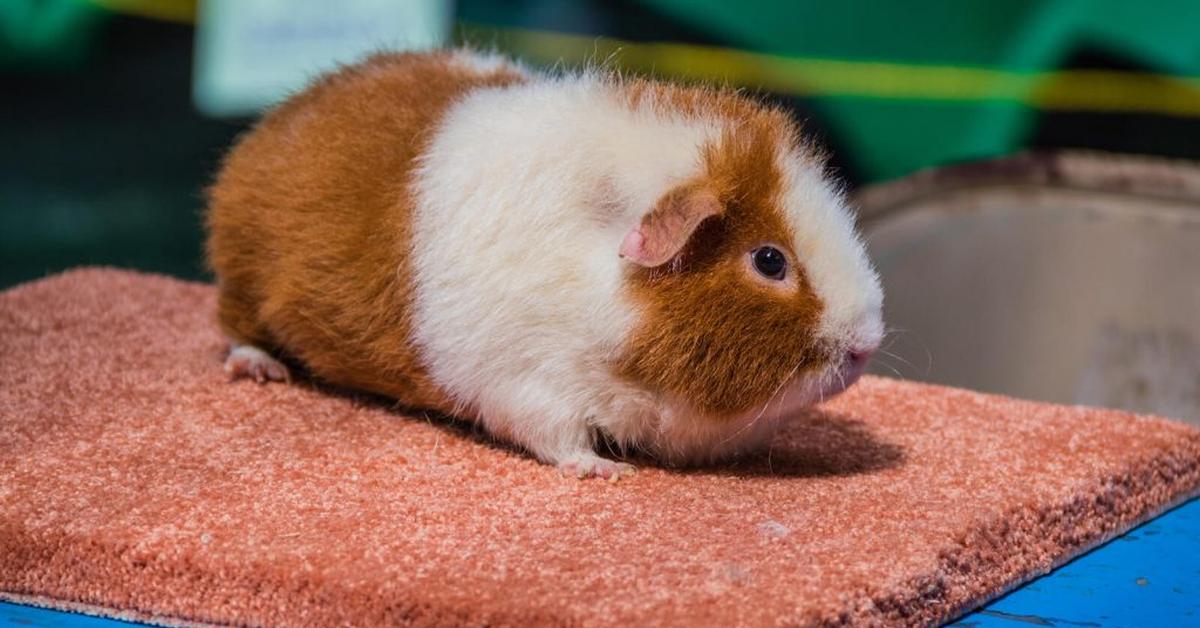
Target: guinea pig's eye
769, 262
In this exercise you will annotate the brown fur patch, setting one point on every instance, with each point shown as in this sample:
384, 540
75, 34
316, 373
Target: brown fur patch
309, 221
711, 334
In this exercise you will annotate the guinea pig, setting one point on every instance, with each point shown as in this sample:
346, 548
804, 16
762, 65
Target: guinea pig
564, 259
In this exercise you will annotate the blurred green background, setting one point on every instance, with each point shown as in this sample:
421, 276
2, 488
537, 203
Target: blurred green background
104, 156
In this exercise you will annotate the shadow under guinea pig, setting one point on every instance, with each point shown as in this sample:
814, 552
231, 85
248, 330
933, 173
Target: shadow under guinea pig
816, 443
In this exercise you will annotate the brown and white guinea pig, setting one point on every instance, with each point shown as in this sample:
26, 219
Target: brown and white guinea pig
559, 258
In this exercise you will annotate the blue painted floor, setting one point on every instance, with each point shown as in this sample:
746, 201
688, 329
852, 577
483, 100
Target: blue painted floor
1148, 578
27, 616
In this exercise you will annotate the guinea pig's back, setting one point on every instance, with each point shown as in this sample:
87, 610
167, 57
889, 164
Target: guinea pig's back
309, 219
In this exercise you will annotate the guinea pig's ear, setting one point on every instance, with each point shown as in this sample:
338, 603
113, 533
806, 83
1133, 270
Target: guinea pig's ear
666, 228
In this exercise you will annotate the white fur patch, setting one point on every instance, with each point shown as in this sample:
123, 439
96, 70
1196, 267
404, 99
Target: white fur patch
833, 256
524, 196
485, 62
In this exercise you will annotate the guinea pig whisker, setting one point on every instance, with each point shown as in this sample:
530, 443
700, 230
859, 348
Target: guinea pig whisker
892, 369
821, 389
897, 357
766, 405
891, 333
786, 390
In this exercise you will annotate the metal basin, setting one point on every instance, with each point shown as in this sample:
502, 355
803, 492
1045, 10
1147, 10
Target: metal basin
1071, 278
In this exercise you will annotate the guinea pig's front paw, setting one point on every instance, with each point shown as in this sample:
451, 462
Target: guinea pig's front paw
248, 361
590, 465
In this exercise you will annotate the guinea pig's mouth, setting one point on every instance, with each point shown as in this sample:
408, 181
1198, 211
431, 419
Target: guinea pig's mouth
851, 367
691, 441
807, 389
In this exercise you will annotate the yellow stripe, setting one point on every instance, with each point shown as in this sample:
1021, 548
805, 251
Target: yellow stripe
169, 10
1069, 90
1073, 90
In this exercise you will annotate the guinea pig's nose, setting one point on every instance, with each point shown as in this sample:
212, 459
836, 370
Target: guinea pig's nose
857, 357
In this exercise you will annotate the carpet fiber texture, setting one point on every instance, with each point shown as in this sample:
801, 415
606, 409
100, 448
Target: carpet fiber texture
135, 480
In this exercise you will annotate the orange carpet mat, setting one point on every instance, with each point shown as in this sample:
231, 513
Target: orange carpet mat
136, 481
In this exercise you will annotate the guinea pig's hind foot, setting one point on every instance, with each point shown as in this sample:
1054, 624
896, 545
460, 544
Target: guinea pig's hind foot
250, 361
589, 465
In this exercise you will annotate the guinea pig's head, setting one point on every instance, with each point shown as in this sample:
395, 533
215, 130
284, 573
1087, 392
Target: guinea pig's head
754, 291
